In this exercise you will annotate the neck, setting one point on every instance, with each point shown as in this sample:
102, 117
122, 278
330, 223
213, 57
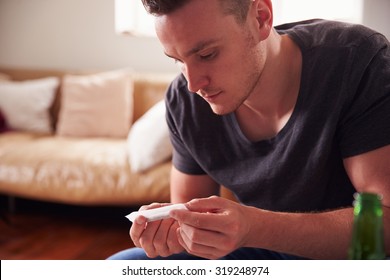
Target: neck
274, 97
280, 77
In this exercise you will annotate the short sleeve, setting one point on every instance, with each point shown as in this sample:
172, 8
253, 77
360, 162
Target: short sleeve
182, 158
365, 124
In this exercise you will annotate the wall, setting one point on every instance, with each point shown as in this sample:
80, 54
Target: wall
79, 34
376, 15
72, 34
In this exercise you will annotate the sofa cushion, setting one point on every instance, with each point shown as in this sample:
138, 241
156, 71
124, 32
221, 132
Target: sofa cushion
148, 142
25, 105
89, 171
98, 105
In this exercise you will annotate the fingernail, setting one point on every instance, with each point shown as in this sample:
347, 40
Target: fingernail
140, 220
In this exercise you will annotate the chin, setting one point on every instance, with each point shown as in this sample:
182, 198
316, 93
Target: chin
221, 110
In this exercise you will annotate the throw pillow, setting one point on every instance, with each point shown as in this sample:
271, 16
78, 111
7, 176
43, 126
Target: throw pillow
26, 104
148, 141
98, 105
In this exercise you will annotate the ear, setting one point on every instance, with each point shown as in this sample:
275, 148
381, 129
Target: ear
262, 12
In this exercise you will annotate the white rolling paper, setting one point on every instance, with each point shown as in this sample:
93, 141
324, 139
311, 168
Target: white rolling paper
156, 213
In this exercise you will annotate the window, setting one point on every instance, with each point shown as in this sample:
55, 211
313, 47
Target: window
131, 17
294, 10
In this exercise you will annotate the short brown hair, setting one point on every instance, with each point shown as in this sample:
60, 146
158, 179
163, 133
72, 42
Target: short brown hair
237, 8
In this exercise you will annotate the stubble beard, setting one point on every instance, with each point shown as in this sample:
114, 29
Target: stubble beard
240, 98
255, 61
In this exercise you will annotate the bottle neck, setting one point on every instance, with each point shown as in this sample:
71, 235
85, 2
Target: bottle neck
367, 240
367, 202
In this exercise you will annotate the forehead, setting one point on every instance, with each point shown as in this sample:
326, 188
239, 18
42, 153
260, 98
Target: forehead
193, 26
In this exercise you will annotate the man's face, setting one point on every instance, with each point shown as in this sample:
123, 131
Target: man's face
219, 57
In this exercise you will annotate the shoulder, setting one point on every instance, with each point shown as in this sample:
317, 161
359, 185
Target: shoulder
332, 34
176, 95
178, 85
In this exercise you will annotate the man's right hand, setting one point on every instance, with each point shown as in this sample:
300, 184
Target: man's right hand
158, 238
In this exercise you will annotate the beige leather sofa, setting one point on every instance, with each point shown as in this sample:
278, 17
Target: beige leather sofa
81, 170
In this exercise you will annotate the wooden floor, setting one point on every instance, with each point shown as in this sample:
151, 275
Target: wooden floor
45, 231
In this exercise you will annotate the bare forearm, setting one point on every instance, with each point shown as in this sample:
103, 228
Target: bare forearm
186, 187
312, 235
231, 225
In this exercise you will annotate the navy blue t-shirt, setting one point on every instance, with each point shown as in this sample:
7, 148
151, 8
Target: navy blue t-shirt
342, 110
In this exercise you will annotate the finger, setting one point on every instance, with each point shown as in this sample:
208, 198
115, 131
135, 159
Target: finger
203, 251
207, 221
172, 240
206, 213
180, 239
140, 223
147, 237
161, 236
137, 229
209, 204
201, 236
153, 206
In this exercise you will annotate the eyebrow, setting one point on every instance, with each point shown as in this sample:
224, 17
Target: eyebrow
198, 47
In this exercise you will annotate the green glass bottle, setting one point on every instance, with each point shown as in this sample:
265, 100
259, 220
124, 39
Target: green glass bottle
367, 236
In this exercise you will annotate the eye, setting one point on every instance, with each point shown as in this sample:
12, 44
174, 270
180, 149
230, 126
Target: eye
177, 61
179, 64
208, 56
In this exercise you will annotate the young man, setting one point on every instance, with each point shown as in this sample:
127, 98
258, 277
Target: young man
293, 119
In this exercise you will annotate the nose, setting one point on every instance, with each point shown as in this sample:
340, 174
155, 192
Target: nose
197, 78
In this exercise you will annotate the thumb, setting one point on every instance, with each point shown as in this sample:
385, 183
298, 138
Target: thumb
211, 204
